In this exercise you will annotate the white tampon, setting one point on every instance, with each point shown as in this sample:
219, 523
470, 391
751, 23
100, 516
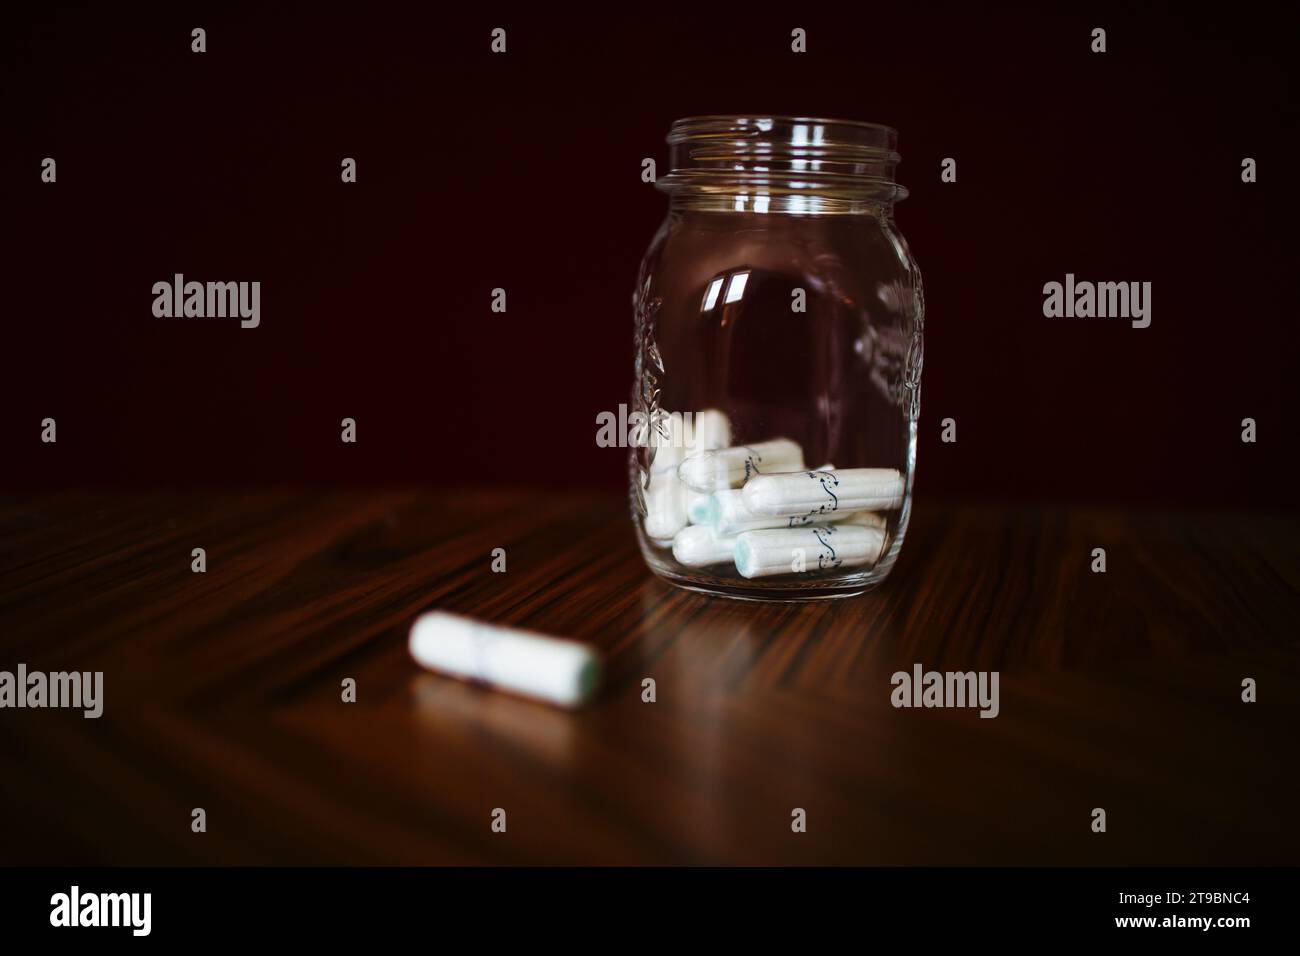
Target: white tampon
820, 492
732, 467
868, 519
697, 546
665, 504
671, 435
678, 435
535, 665
729, 516
711, 430
698, 509
804, 550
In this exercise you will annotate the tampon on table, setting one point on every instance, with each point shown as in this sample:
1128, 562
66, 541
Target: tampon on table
534, 665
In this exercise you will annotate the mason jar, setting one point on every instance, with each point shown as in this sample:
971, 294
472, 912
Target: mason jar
778, 320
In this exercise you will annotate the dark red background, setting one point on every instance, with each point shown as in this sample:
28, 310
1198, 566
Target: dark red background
523, 171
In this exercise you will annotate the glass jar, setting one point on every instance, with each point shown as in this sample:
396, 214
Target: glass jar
778, 318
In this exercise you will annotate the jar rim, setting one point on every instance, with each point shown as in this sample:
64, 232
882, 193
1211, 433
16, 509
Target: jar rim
766, 155
774, 118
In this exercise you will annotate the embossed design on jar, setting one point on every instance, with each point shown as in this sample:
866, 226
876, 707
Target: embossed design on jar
915, 350
645, 391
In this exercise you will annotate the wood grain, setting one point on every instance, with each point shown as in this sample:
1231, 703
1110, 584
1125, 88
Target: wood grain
1118, 690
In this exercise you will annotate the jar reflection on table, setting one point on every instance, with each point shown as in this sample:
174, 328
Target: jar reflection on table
778, 320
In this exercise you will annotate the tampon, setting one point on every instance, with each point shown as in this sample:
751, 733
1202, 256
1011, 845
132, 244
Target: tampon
697, 546
868, 519
678, 435
535, 665
711, 430
665, 504
698, 510
820, 492
671, 436
801, 550
732, 467
729, 516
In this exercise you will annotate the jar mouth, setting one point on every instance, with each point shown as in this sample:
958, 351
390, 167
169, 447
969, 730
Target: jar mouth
783, 156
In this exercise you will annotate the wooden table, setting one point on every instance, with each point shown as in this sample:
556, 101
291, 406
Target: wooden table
1119, 690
